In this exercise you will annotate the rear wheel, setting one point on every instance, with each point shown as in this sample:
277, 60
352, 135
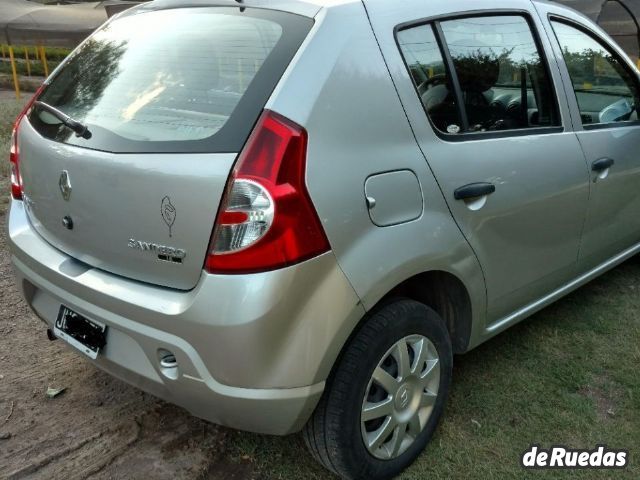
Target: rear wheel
386, 395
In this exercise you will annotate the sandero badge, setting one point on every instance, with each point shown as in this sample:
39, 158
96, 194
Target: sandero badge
164, 252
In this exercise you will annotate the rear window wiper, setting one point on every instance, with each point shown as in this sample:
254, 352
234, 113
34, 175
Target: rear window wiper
80, 129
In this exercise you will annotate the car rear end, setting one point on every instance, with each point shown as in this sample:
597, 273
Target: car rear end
176, 244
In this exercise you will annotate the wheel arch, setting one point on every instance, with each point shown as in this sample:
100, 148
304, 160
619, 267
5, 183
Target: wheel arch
442, 291
447, 295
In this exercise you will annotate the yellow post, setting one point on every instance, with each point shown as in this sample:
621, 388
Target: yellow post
43, 57
638, 64
16, 85
26, 57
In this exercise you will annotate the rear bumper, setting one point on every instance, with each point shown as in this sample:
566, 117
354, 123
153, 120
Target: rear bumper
253, 351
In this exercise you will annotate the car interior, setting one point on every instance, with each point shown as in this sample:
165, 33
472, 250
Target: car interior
489, 105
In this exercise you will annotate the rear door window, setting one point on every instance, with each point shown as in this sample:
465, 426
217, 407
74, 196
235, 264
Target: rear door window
178, 80
480, 74
430, 76
502, 77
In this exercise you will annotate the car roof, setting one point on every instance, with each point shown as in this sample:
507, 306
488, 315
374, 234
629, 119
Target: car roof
562, 7
308, 8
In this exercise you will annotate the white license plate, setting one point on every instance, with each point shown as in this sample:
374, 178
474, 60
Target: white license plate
86, 335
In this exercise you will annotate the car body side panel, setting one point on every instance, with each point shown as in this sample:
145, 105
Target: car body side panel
340, 90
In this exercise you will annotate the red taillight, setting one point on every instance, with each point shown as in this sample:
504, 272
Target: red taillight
14, 152
266, 218
16, 180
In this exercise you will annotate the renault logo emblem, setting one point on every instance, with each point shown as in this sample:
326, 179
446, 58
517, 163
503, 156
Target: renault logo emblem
65, 185
404, 398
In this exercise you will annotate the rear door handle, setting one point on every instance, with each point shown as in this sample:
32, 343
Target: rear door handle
602, 164
473, 190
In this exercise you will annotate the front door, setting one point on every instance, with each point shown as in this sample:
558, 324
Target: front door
602, 88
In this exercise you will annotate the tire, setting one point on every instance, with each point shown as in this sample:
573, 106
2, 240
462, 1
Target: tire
335, 434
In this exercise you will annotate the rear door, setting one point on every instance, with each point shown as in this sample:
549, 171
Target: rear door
169, 96
604, 93
480, 95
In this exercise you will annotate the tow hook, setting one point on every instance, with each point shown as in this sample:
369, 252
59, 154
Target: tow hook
50, 335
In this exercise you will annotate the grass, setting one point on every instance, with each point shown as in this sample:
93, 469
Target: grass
568, 375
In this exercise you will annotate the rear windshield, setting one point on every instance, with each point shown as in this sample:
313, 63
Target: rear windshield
180, 80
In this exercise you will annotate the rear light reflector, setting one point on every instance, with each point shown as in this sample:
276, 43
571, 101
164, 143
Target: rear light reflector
16, 180
266, 219
14, 151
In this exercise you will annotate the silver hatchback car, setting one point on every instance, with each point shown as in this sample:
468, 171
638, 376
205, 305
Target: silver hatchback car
290, 215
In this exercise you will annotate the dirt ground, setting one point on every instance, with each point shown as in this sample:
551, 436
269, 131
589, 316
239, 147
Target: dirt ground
99, 427
6, 95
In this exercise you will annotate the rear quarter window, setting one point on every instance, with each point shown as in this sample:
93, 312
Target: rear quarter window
179, 80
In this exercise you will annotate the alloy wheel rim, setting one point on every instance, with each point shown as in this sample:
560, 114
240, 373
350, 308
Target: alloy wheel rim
400, 397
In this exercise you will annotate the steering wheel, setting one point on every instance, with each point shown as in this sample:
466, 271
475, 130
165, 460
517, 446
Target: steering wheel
619, 111
432, 82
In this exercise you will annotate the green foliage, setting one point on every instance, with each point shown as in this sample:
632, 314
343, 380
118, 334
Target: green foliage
97, 64
54, 57
37, 69
595, 67
53, 54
